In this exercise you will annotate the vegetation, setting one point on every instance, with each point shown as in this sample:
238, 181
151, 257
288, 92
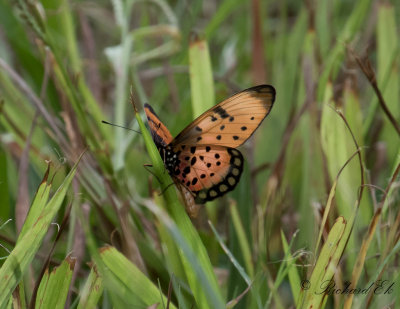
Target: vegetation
314, 221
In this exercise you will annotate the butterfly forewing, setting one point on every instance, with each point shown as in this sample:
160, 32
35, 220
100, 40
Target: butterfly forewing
159, 132
231, 122
208, 171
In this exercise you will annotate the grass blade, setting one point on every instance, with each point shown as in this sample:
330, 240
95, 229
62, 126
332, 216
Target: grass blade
131, 281
22, 255
325, 266
186, 229
54, 287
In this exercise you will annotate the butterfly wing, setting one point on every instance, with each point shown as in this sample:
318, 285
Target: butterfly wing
208, 172
208, 166
231, 122
159, 132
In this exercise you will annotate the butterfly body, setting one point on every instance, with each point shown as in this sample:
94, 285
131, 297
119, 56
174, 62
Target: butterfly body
170, 158
203, 160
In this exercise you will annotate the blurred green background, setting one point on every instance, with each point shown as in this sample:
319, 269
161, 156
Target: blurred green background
316, 209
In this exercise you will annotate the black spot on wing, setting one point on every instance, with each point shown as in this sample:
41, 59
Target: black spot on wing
221, 112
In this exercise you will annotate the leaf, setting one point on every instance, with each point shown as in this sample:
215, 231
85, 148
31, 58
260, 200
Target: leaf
294, 278
92, 290
243, 241
205, 297
38, 204
325, 267
54, 287
201, 78
138, 290
26, 247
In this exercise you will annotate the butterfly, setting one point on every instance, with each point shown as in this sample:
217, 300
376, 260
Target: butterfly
203, 160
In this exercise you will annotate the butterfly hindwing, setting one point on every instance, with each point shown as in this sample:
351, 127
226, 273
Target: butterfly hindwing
208, 171
231, 122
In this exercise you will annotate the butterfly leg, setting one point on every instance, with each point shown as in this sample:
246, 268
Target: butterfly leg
147, 169
146, 166
166, 188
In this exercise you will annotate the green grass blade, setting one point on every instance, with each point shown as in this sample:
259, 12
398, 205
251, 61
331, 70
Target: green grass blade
92, 290
294, 278
60, 23
338, 147
206, 295
54, 287
38, 204
235, 263
5, 208
186, 229
243, 241
388, 45
224, 10
325, 266
333, 61
201, 77
24, 251
136, 288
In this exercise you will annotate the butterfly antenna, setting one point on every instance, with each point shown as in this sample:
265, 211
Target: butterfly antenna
116, 125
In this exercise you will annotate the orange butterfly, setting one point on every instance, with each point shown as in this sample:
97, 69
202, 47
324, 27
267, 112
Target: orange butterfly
202, 159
